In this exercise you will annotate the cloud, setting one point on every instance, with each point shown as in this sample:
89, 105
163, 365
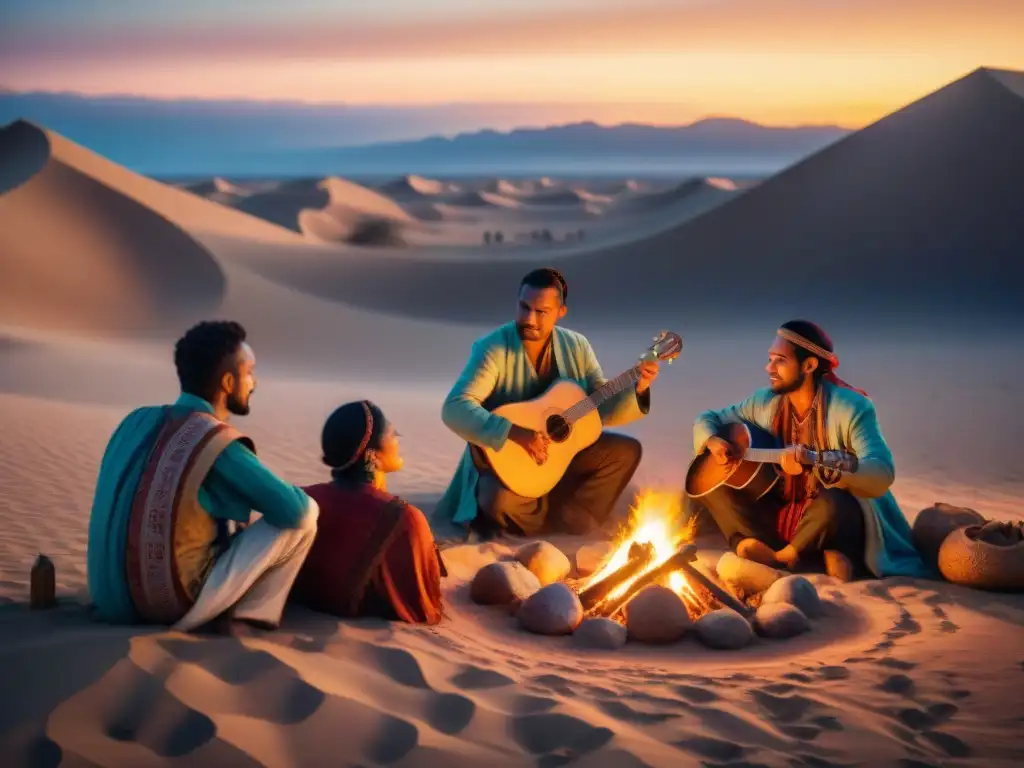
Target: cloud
603, 27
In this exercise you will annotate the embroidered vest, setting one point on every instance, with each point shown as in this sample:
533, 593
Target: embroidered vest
171, 538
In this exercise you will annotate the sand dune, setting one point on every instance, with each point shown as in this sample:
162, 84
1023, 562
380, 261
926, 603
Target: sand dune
502, 187
709, 191
218, 190
412, 187
176, 205
934, 183
89, 258
326, 210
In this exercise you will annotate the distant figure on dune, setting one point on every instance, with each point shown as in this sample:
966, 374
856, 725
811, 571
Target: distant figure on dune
176, 484
518, 362
817, 517
374, 554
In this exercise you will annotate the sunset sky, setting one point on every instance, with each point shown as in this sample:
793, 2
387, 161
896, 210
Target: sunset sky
661, 61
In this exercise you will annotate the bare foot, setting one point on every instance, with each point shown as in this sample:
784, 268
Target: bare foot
758, 551
788, 556
838, 565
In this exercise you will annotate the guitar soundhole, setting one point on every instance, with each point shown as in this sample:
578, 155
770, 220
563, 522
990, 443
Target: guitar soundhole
557, 428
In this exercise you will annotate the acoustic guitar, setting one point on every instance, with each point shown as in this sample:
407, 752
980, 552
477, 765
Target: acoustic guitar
569, 417
752, 471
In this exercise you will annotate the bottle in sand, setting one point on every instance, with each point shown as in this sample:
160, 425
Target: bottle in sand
43, 584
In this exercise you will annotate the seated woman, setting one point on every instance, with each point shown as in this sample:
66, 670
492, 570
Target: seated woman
374, 554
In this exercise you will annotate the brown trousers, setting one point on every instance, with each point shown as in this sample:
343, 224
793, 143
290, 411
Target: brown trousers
583, 498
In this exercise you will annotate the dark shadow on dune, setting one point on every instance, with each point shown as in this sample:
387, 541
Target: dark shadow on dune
24, 152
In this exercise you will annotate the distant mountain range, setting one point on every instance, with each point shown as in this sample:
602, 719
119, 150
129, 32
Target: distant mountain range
243, 138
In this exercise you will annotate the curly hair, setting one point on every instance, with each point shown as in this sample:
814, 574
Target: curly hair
546, 277
205, 353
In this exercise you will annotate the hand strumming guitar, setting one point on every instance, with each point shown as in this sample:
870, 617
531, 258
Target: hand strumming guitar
722, 450
534, 443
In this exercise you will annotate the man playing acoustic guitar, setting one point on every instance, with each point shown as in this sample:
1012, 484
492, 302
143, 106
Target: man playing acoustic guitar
847, 522
518, 362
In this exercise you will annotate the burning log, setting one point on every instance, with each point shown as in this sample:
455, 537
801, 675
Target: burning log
683, 557
723, 597
640, 556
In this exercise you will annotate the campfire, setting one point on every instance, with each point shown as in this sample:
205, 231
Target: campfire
647, 587
654, 547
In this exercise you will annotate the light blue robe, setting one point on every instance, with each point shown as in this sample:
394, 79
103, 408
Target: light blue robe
499, 372
237, 483
851, 424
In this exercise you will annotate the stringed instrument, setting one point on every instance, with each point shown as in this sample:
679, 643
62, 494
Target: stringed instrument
752, 471
569, 417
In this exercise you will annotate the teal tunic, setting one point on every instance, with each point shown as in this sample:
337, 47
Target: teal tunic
851, 424
237, 483
499, 372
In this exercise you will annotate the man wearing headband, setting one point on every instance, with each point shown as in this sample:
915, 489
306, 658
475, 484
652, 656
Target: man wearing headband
176, 484
845, 522
518, 362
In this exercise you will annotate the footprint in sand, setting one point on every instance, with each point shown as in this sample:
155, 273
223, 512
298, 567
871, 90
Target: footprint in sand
948, 743
898, 684
798, 677
622, 711
834, 673
553, 732
555, 683
783, 709
896, 664
450, 713
712, 749
696, 695
476, 678
779, 689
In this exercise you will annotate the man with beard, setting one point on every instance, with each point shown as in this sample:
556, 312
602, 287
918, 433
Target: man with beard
845, 522
518, 362
169, 534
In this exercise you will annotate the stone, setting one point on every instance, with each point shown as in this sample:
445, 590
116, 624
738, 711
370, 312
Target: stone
795, 590
723, 629
591, 557
657, 615
545, 561
746, 575
780, 621
502, 583
552, 610
600, 633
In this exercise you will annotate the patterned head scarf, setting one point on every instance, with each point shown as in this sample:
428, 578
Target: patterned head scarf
349, 432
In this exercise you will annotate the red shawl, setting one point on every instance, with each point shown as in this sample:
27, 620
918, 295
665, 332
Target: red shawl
373, 554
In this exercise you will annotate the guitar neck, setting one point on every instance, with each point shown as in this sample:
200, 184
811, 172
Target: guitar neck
601, 394
772, 455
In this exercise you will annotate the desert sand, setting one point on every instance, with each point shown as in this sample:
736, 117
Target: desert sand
896, 240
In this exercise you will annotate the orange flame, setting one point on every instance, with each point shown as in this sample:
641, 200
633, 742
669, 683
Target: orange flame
658, 518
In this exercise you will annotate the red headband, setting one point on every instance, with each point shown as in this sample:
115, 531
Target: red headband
814, 349
366, 438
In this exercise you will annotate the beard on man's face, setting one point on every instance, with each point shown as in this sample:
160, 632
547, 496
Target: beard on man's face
237, 406
780, 387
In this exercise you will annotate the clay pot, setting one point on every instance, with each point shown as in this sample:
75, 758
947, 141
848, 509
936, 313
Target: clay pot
968, 557
933, 524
